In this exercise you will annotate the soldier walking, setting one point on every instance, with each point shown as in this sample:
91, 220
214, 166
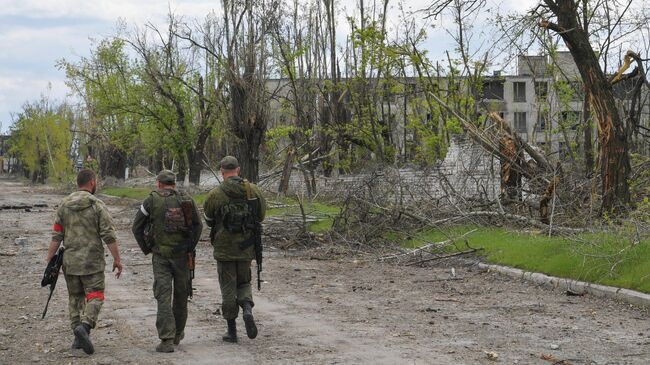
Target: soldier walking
228, 212
169, 226
82, 224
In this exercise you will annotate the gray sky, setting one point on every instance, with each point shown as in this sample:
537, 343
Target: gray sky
34, 34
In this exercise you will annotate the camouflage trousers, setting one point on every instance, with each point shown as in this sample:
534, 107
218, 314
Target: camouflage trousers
235, 284
170, 288
85, 298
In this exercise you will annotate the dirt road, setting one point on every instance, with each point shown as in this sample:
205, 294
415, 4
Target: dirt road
309, 311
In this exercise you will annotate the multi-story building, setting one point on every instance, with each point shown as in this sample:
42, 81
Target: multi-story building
543, 102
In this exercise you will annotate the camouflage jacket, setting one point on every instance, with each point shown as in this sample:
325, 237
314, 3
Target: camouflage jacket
82, 223
165, 243
226, 244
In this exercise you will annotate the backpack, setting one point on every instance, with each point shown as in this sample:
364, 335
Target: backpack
237, 216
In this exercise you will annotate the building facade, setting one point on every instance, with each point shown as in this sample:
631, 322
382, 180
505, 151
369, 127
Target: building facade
543, 102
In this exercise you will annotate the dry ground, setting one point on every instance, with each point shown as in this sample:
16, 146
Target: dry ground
309, 311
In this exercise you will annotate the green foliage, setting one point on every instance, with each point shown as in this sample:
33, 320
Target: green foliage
107, 84
277, 134
41, 139
433, 148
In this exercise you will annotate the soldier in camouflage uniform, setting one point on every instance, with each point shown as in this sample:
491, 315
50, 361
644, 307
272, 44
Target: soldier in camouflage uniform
162, 226
84, 225
226, 210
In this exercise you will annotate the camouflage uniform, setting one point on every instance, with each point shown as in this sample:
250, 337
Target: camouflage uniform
83, 223
170, 261
233, 264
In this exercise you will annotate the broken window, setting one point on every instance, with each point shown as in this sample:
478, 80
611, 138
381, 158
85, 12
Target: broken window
542, 119
519, 90
541, 90
520, 122
493, 90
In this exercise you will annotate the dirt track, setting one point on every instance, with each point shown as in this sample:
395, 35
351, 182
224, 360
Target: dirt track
309, 311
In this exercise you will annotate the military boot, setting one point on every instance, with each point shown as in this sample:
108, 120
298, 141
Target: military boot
82, 334
165, 346
179, 337
75, 344
249, 321
231, 334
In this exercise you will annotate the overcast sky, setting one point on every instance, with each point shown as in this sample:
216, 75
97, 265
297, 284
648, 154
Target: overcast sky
34, 34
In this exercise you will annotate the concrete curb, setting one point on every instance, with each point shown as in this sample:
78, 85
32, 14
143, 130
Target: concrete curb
626, 295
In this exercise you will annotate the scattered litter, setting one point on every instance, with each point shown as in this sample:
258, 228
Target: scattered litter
491, 355
572, 293
105, 324
20, 241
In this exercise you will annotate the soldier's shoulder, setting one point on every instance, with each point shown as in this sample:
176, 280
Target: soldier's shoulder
256, 189
98, 203
147, 200
216, 194
184, 195
216, 190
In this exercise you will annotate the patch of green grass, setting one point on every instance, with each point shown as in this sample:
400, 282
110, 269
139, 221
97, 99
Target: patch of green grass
200, 198
605, 258
323, 211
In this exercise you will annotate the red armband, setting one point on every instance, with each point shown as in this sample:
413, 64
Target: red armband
99, 295
57, 227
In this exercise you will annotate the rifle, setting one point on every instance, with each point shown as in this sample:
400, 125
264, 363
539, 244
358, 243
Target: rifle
257, 233
186, 206
256, 239
51, 274
191, 262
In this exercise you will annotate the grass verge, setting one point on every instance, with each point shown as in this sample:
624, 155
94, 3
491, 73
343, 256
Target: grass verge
603, 258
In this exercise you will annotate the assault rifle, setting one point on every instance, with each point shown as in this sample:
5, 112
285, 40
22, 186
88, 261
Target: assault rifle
257, 236
51, 274
256, 226
186, 206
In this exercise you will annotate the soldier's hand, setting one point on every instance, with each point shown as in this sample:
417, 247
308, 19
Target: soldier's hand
117, 265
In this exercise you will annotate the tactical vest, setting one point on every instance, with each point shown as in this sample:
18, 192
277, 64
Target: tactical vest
237, 214
170, 233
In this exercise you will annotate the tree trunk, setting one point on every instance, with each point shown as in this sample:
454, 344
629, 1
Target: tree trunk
182, 168
510, 176
196, 166
286, 172
614, 157
112, 162
156, 164
588, 139
247, 154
